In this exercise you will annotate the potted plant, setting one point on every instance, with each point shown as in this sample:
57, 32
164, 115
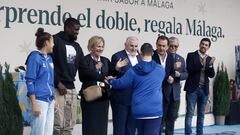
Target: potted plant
3, 111
10, 113
221, 95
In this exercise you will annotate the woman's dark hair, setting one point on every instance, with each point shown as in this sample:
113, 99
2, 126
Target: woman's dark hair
41, 38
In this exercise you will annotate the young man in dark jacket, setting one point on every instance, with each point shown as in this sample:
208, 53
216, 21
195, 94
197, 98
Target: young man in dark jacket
200, 69
68, 58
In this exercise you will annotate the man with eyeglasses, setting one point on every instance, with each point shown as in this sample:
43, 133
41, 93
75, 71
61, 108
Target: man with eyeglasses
180, 73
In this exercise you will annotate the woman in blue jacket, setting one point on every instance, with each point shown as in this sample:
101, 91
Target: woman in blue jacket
145, 79
40, 84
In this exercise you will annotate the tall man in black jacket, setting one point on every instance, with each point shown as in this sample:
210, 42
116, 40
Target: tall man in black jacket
161, 56
68, 58
200, 69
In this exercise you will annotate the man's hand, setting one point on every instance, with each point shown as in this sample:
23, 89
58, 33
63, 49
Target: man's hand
170, 79
212, 61
36, 110
108, 78
121, 63
177, 65
61, 89
56, 105
177, 74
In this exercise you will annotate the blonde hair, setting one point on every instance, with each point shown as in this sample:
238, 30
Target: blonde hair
94, 40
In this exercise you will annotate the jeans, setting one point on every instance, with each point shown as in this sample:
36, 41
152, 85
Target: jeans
43, 124
148, 126
200, 98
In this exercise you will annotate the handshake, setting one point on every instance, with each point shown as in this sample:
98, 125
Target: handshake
108, 79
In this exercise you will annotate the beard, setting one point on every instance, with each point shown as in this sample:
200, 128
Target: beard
72, 37
203, 50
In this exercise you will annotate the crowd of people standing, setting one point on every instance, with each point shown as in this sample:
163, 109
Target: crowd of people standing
145, 84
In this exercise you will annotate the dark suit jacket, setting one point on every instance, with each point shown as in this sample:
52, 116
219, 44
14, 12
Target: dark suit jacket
123, 96
90, 63
169, 70
176, 84
194, 69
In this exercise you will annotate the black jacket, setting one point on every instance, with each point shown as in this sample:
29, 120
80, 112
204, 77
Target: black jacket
68, 58
194, 70
123, 97
90, 80
169, 70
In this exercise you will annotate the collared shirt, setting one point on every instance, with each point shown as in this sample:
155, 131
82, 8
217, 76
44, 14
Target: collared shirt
202, 55
133, 59
163, 61
96, 59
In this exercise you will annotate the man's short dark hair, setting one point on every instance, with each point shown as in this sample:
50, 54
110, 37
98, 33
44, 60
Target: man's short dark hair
147, 49
71, 22
206, 39
163, 38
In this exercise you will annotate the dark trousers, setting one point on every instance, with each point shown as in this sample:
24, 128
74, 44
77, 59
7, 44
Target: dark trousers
170, 114
123, 121
94, 117
148, 126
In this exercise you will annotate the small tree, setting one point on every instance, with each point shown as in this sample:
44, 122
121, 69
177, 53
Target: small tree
221, 92
13, 115
3, 112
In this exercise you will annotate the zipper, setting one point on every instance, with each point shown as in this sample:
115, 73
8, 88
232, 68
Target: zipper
48, 76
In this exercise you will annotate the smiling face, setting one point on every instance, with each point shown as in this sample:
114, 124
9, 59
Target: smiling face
173, 46
131, 45
204, 46
96, 46
97, 49
162, 46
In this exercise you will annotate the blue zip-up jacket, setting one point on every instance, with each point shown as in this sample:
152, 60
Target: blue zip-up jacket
145, 78
39, 76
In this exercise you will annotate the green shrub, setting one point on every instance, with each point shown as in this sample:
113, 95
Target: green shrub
221, 92
11, 116
3, 112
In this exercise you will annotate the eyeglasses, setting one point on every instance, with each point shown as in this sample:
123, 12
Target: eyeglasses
173, 46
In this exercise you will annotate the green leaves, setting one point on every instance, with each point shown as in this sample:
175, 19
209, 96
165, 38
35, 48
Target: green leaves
3, 110
10, 112
221, 92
